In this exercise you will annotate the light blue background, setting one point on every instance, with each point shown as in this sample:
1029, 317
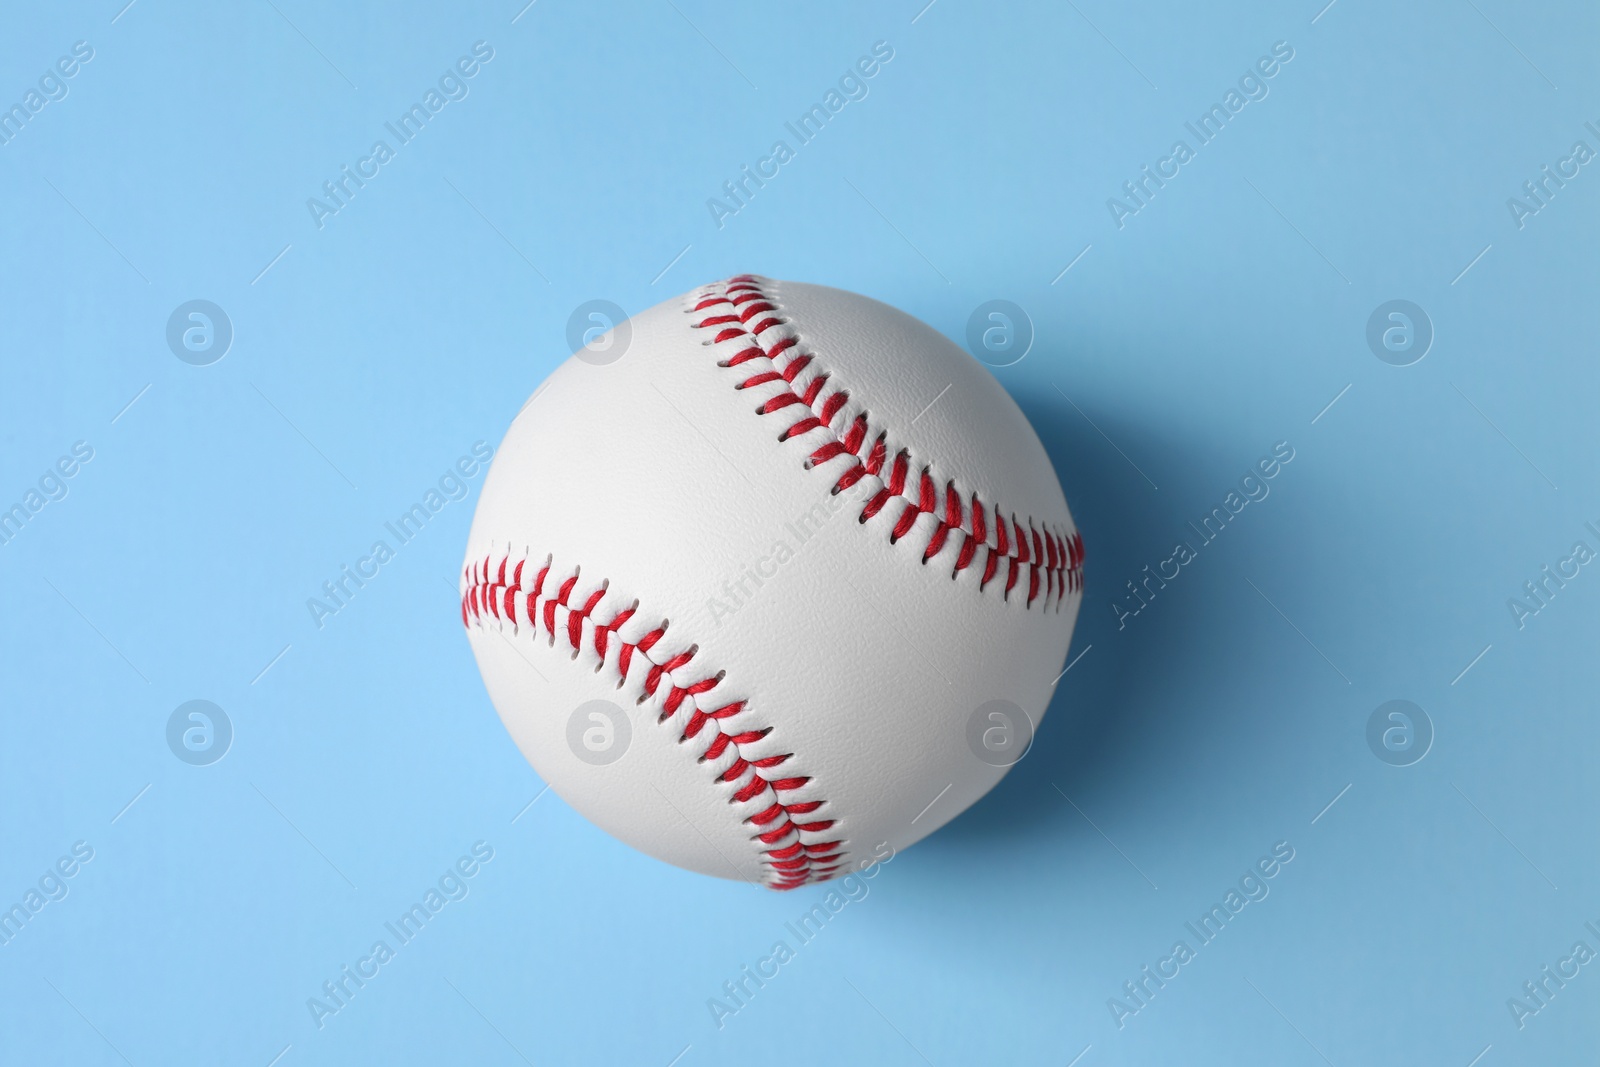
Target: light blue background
1221, 319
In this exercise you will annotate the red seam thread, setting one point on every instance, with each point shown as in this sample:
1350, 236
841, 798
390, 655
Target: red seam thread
791, 860
1053, 559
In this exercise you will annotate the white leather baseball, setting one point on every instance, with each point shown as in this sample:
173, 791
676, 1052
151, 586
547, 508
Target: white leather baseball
800, 668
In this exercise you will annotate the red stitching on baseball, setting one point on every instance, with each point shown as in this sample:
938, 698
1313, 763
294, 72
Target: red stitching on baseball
1053, 558
782, 825
791, 852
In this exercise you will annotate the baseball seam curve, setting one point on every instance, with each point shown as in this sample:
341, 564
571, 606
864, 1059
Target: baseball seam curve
836, 434
797, 847
796, 852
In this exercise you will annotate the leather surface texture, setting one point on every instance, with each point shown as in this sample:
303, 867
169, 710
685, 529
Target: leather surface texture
677, 560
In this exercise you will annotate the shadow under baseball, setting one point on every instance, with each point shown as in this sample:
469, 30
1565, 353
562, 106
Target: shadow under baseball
1091, 748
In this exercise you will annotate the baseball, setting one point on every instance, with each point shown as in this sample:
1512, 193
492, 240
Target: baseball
770, 581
